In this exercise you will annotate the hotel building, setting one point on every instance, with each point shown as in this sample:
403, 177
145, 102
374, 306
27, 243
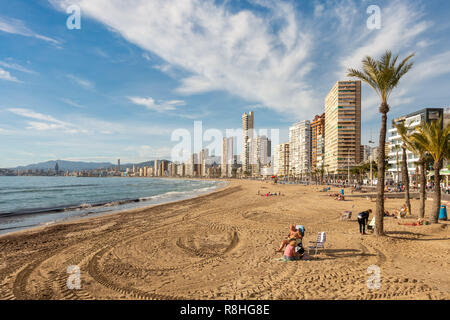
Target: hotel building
300, 148
317, 141
343, 126
248, 125
281, 159
227, 156
395, 153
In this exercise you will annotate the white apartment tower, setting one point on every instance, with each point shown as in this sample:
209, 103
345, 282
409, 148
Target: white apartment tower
300, 147
248, 125
281, 160
227, 156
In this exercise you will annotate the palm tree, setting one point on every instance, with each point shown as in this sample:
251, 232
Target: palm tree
403, 133
435, 140
383, 76
420, 151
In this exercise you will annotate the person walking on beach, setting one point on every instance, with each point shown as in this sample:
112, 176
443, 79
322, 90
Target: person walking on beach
363, 218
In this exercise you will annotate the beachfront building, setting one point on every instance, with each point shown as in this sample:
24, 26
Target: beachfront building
300, 148
395, 153
343, 127
248, 125
227, 156
317, 141
281, 160
204, 155
259, 154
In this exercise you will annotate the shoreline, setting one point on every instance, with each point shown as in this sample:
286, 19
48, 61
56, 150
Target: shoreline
94, 215
222, 246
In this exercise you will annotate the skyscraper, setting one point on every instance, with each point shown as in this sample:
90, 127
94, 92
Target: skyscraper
281, 159
317, 141
248, 122
300, 147
343, 126
118, 165
227, 156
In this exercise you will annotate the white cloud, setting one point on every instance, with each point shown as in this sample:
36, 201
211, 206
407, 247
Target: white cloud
72, 103
82, 82
146, 56
433, 66
85, 125
5, 75
401, 25
276, 57
160, 106
15, 26
146, 152
15, 66
241, 53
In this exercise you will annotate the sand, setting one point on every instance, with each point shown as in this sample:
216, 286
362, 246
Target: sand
222, 246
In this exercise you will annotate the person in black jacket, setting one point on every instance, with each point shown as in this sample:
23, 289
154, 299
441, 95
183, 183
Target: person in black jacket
363, 218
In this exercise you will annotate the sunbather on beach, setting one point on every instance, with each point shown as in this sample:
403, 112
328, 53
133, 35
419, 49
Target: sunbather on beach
340, 197
294, 235
387, 214
289, 253
402, 212
419, 222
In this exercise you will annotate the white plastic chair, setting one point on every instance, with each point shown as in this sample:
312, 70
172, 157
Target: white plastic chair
318, 244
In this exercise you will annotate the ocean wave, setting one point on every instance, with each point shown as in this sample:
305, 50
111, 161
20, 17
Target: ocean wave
99, 206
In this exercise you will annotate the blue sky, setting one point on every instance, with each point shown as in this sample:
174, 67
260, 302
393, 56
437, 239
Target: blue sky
137, 70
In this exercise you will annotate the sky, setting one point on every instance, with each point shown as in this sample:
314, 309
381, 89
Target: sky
138, 70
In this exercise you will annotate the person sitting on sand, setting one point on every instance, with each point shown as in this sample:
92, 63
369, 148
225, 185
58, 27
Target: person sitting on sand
294, 235
339, 197
387, 214
402, 212
289, 253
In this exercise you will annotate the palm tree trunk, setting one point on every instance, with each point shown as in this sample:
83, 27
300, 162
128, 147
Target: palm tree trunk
405, 179
437, 193
379, 211
423, 196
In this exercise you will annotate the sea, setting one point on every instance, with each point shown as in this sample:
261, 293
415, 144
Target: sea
29, 201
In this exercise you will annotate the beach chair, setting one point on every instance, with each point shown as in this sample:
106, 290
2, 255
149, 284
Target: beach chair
371, 225
318, 244
347, 214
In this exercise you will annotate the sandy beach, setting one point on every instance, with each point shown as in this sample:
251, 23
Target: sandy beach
222, 246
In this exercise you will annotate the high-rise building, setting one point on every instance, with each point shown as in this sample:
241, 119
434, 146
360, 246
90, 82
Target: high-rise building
281, 159
264, 150
156, 168
317, 141
411, 121
227, 156
300, 147
248, 125
365, 153
118, 165
204, 156
343, 126
260, 151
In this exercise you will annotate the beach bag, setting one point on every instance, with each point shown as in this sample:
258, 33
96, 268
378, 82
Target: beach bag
299, 247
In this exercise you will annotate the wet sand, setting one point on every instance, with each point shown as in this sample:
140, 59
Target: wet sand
222, 246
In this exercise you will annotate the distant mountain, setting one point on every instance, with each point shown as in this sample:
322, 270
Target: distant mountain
66, 165
78, 165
